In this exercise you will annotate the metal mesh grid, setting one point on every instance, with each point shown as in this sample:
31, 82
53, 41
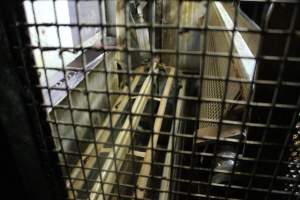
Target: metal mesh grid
128, 132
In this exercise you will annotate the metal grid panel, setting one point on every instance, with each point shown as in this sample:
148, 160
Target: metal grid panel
129, 132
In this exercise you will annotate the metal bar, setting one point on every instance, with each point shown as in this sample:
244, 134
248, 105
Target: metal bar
123, 137
145, 169
103, 135
165, 184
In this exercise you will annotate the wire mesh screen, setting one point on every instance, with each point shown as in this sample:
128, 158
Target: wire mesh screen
170, 99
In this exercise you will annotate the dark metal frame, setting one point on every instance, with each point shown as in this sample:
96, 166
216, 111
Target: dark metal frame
32, 171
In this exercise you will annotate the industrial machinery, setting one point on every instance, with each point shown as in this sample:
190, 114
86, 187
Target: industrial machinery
157, 99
